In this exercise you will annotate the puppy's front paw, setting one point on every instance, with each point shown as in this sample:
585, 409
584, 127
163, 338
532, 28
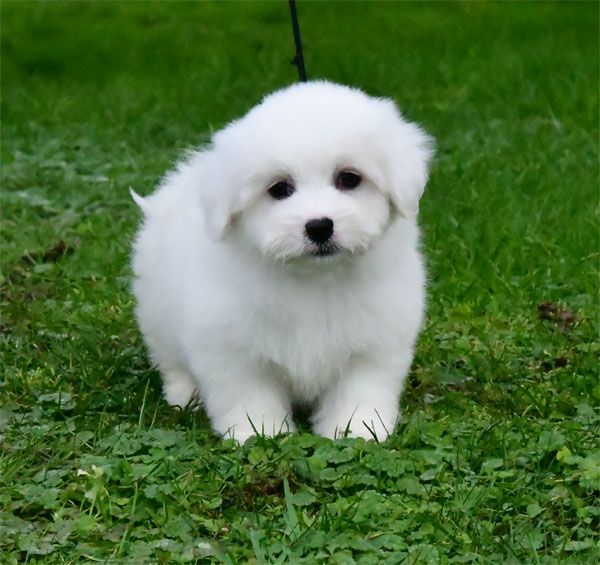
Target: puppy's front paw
242, 431
363, 421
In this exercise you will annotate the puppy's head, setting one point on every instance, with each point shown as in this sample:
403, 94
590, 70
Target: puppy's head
315, 170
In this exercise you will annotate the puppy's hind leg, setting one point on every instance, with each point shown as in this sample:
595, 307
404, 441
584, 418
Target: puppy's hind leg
179, 387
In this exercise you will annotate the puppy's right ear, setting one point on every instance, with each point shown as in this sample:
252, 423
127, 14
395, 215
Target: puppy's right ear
216, 194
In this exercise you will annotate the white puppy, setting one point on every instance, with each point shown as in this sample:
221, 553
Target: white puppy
280, 265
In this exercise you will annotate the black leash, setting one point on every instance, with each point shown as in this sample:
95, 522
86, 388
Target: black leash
298, 59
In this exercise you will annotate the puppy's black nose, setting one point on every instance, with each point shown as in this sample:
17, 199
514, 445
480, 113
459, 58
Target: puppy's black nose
319, 231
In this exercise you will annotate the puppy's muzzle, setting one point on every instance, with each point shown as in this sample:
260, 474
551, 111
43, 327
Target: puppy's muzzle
319, 231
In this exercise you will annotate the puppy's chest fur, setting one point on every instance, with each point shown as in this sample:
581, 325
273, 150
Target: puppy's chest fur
311, 333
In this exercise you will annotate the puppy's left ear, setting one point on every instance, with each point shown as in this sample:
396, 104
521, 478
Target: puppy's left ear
410, 151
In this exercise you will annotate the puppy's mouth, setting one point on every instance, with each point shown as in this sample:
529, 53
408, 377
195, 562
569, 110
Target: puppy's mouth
326, 250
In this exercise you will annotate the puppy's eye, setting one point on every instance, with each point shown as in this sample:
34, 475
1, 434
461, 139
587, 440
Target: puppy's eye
281, 189
347, 180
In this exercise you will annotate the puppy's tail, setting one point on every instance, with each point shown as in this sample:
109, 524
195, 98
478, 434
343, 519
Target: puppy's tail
139, 200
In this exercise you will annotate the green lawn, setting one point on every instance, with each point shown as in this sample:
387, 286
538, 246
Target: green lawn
497, 456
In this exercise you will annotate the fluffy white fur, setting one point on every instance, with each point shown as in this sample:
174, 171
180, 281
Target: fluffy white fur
233, 302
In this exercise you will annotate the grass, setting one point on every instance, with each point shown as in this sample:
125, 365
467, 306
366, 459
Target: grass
497, 457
